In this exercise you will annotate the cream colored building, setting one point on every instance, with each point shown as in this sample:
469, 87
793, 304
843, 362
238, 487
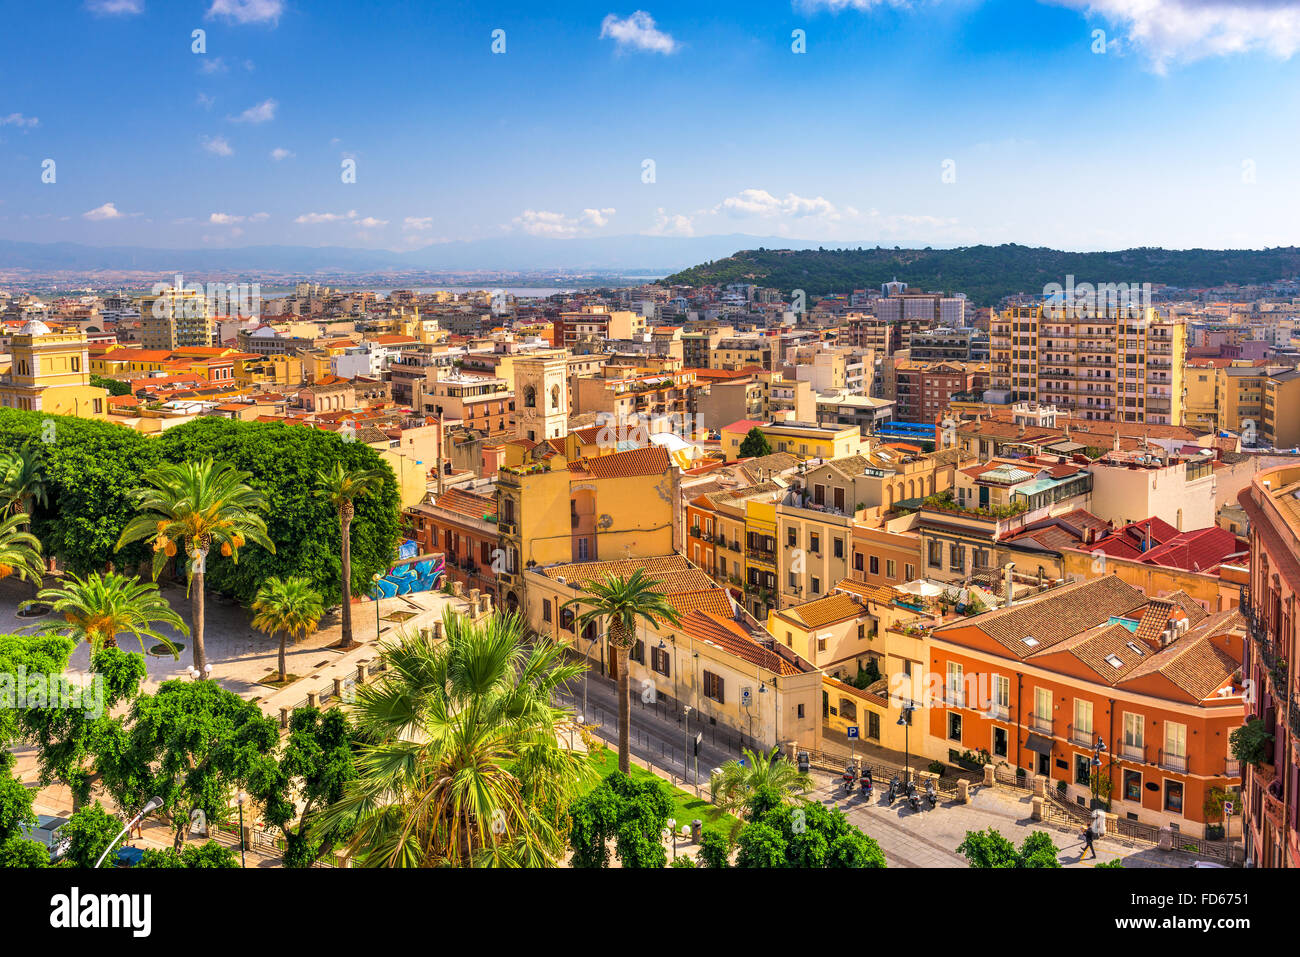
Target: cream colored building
50, 372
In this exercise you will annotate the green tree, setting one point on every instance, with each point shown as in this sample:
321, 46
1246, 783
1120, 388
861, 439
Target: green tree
20, 551
199, 505
39, 654
315, 767
98, 608
804, 834
89, 832
755, 444
734, 783
1250, 743
288, 608
193, 744
284, 463
209, 854
715, 849
632, 811
461, 764
114, 386
989, 849
341, 488
15, 802
622, 602
69, 741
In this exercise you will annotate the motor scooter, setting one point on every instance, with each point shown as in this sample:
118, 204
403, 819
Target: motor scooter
913, 798
930, 794
849, 776
895, 789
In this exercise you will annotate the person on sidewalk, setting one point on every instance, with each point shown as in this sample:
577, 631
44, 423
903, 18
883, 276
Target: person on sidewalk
1087, 840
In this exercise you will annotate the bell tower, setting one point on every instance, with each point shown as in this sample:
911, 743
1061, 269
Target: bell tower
541, 397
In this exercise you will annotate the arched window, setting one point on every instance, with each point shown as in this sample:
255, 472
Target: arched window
530, 397
555, 397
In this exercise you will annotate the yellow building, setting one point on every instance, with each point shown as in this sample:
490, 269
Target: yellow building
1281, 425
760, 556
268, 371
717, 661
808, 441
50, 372
552, 510
174, 318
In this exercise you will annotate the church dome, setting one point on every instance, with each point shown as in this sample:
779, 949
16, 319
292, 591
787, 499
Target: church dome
34, 328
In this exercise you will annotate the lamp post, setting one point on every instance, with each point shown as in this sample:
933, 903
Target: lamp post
377, 578
1097, 751
905, 719
240, 799
153, 805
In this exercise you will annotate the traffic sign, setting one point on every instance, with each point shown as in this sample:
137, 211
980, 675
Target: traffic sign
852, 731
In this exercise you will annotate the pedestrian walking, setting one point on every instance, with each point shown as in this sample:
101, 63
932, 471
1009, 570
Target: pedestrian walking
1087, 840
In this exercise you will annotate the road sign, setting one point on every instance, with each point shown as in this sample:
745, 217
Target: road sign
1227, 809
852, 731
746, 697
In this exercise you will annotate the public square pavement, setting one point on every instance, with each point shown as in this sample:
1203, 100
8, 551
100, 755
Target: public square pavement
929, 837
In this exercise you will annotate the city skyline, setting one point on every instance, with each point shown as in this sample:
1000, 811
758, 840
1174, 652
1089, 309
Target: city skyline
1155, 141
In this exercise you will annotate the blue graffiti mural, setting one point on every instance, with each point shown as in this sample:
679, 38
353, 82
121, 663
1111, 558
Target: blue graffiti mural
410, 576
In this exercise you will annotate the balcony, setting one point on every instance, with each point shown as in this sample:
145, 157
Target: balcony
1173, 762
1081, 738
507, 528
1040, 724
1133, 752
1231, 768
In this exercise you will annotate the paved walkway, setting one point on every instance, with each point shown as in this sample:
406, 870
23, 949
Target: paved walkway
929, 837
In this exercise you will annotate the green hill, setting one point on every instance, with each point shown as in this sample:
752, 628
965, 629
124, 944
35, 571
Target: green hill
987, 273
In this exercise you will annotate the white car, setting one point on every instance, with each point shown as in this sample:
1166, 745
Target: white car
47, 832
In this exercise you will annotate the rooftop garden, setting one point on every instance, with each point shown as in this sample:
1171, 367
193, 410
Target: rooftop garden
945, 502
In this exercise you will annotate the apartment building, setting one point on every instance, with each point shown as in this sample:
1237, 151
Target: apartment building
462, 524
1271, 604
1115, 364
174, 318
553, 510
1150, 686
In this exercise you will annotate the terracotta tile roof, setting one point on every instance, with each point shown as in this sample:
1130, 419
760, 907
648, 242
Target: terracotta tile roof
658, 568
743, 425
866, 694
1193, 662
651, 460
466, 503
731, 637
712, 600
881, 594
1196, 551
824, 611
1100, 648
1055, 615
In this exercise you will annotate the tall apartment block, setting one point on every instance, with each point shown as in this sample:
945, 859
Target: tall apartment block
1117, 364
174, 319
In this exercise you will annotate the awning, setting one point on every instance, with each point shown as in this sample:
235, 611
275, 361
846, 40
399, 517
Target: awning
1039, 744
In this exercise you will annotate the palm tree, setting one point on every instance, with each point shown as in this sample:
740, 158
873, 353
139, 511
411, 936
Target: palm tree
20, 550
341, 488
735, 783
22, 486
197, 504
622, 601
463, 765
99, 607
22, 479
290, 608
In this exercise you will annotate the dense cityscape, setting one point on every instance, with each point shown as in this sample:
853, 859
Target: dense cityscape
483, 465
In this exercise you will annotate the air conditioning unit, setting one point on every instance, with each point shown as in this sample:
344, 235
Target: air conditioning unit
560, 579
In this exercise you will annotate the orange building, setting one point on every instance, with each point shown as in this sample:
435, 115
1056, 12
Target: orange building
1150, 686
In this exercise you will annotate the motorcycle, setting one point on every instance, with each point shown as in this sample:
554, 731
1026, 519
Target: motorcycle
913, 798
930, 794
895, 789
866, 785
849, 776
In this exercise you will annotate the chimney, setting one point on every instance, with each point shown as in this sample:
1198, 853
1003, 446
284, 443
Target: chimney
1009, 584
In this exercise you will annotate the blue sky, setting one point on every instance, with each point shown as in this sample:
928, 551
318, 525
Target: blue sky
1180, 134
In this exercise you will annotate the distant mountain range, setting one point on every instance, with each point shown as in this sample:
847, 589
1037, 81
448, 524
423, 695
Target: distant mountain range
633, 254
987, 273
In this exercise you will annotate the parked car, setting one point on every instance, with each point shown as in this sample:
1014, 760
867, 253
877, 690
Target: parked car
47, 832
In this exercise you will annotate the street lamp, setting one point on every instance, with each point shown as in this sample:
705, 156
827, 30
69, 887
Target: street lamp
1097, 751
376, 578
240, 799
905, 719
153, 805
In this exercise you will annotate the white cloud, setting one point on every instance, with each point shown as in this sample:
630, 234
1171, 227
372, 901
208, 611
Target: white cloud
17, 119
675, 224
229, 219
247, 11
107, 211
417, 222
835, 6
638, 32
210, 65
313, 219
218, 146
1173, 31
115, 7
259, 217
541, 222
280, 153
206, 101
371, 223
759, 202
263, 112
